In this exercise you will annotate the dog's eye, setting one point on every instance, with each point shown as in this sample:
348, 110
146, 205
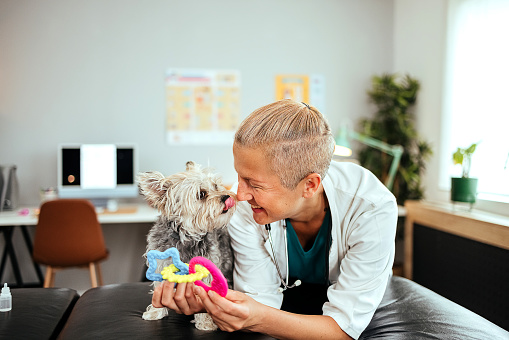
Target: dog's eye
202, 194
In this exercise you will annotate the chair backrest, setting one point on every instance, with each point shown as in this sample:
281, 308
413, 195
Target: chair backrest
68, 234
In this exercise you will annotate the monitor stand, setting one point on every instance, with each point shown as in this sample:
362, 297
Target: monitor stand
102, 204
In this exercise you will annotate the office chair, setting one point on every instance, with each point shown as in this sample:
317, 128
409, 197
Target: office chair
68, 234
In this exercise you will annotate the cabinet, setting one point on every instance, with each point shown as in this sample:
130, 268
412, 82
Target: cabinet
463, 256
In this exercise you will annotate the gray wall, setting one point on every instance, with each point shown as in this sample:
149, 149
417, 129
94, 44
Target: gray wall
420, 38
419, 48
93, 72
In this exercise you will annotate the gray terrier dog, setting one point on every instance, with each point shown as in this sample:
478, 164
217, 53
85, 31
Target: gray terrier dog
195, 209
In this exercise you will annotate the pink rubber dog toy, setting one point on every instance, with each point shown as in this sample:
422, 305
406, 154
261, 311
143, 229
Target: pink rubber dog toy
218, 284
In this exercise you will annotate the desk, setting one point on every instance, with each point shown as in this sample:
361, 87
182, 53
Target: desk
9, 220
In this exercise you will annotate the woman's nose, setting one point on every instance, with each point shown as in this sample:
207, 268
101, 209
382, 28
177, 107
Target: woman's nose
243, 192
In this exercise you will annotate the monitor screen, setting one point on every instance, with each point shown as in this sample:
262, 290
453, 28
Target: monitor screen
97, 171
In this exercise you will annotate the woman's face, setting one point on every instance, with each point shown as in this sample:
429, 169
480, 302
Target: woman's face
260, 187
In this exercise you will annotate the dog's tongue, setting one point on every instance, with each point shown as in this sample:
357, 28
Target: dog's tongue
230, 202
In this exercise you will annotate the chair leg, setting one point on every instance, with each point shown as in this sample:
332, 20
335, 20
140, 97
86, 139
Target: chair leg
49, 279
99, 274
93, 277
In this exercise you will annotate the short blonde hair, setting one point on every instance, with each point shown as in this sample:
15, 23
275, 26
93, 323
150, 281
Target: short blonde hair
295, 137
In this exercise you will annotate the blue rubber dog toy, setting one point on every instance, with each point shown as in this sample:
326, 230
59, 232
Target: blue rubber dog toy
154, 255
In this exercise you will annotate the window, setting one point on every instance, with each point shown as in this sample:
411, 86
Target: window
476, 96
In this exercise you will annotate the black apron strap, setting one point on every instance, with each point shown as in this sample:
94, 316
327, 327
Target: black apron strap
308, 298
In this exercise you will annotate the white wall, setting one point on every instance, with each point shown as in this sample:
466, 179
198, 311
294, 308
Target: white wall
93, 71
419, 49
420, 38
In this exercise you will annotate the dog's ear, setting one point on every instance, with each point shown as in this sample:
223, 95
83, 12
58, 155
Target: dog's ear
153, 186
190, 165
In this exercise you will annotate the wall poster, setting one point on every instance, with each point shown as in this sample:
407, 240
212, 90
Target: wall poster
202, 106
309, 89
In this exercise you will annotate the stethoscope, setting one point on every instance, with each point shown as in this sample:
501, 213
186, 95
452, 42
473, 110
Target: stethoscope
283, 281
298, 282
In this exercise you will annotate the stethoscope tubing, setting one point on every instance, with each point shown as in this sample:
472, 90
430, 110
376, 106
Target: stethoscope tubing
298, 282
283, 281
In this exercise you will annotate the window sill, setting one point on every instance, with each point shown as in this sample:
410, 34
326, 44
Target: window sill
492, 206
495, 204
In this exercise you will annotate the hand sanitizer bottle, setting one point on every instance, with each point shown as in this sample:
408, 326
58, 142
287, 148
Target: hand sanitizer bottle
5, 299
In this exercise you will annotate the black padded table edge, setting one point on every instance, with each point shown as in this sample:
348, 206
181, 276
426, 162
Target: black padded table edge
37, 313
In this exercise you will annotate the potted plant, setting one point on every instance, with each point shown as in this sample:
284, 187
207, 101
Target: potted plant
393, 122
395, 97
464, 188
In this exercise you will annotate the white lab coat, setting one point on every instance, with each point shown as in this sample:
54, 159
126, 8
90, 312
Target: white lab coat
364, 217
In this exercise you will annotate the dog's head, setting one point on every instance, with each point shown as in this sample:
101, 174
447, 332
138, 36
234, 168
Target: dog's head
196, 199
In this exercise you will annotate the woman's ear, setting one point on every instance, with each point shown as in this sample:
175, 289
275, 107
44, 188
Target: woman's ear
311, 184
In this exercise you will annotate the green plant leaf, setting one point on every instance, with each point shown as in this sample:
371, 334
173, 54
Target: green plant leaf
471, 149
457, 157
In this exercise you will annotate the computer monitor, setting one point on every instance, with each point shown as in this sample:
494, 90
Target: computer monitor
98, 172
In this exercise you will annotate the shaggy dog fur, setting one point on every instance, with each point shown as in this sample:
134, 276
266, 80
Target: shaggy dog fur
195, 209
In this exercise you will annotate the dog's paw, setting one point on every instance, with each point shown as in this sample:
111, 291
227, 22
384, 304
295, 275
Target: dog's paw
153, 313
204, 322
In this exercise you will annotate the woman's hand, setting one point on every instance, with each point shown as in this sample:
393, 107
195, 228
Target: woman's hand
180, 299
236, 311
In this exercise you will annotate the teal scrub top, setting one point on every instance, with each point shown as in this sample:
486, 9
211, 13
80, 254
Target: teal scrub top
308, 266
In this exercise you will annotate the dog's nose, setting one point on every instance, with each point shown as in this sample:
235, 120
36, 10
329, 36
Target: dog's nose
224, 198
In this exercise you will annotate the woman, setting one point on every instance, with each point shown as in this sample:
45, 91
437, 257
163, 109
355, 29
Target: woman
313, 240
